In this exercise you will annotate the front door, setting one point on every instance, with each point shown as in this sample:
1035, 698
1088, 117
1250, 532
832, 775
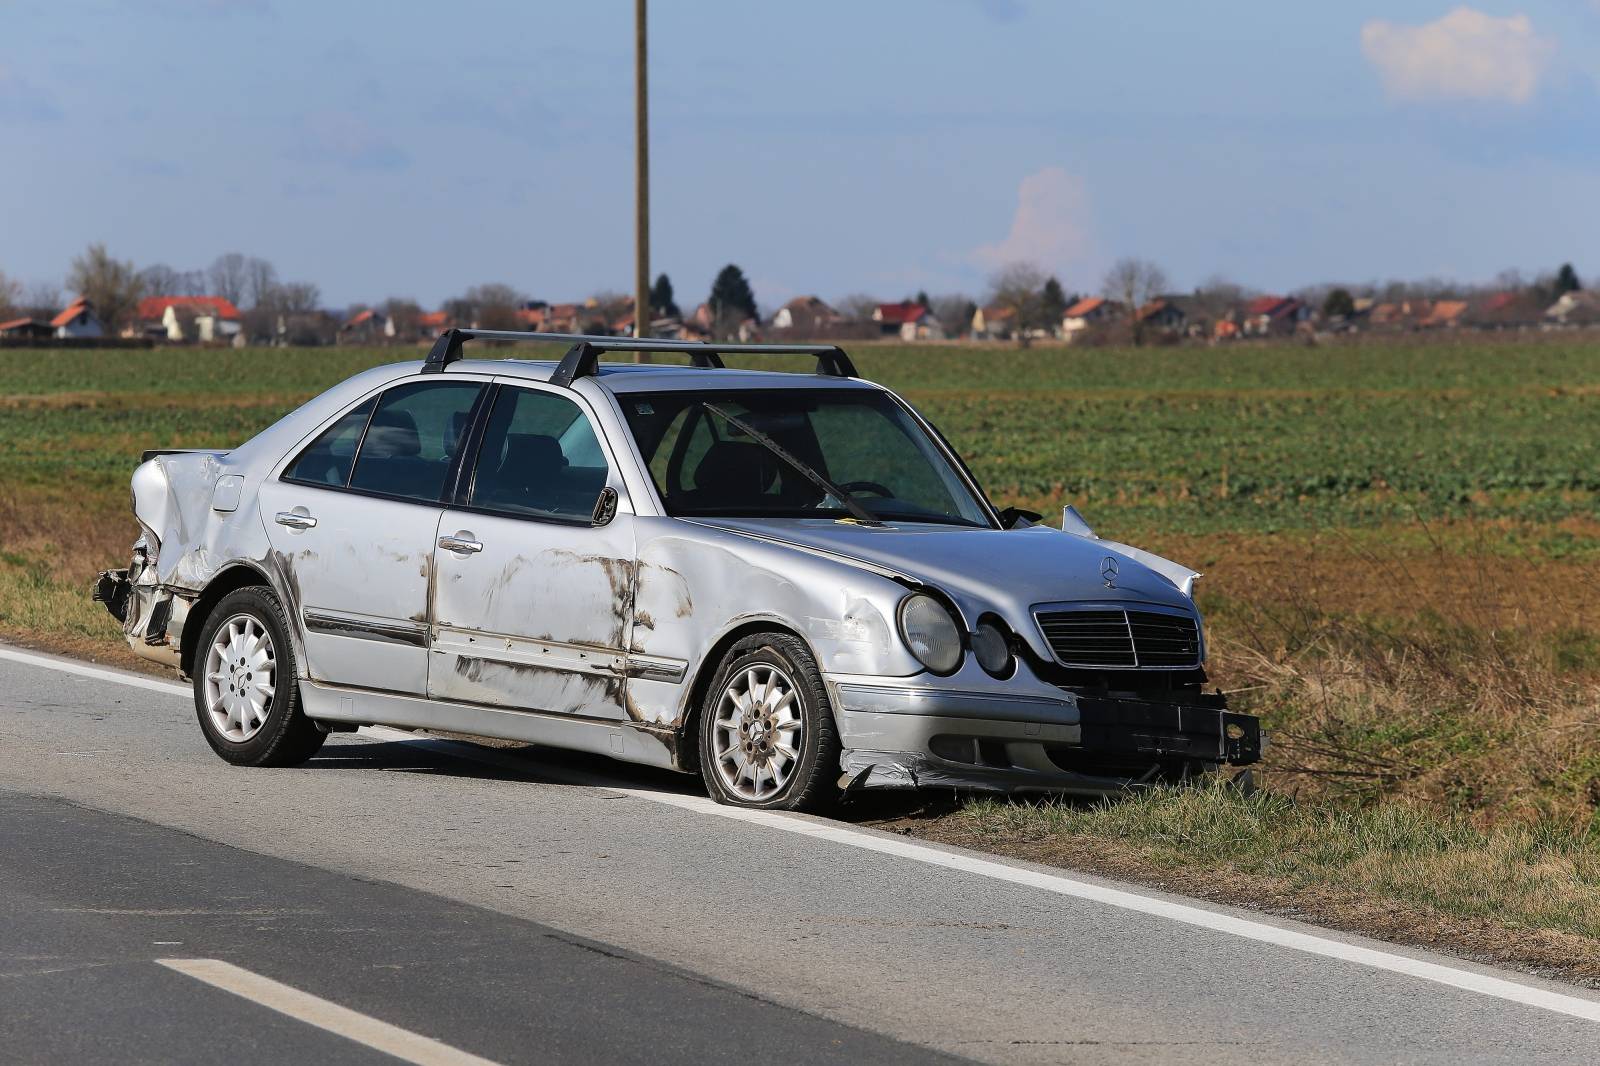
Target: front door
353, 519
534, 600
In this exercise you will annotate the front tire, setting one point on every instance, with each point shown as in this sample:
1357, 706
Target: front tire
245, 693
767, 736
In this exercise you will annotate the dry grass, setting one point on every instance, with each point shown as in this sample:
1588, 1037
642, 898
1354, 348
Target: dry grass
1527, 896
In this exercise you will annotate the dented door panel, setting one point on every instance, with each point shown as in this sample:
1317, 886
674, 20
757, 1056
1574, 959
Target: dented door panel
359, 580
538, 618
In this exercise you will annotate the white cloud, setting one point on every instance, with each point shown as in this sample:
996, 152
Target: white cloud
1051, 227
1464, 55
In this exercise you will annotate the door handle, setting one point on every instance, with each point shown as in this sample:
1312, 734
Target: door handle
296, 519
462, 543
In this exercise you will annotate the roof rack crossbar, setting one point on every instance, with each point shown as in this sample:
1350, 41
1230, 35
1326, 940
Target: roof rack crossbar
582, 359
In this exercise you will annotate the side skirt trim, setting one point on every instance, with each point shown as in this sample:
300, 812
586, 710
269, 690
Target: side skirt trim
620, 740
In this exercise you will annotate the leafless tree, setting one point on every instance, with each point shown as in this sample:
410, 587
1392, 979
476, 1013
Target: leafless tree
954, 311
162, 280
1017, 287
611, 306
260, 278
489, 306
1134, 283
1218, 295
228, 275
858, 306
406, 314
111, 285
41, 300
10, 296
296, 297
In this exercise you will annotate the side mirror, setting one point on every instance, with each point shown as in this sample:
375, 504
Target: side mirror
605, 508
1017, 518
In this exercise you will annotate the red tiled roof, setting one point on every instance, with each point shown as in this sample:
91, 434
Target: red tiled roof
433, 318
74, 309
1086, 306
15, 322
899, 314
1270, 305
153, 307
1445, 312
360, 317
530, 316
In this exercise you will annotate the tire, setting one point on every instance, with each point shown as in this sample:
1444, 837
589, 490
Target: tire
745, 759
245, 694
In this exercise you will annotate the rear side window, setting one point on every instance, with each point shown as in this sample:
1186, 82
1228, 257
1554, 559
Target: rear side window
540, 457
412, 439
328, 459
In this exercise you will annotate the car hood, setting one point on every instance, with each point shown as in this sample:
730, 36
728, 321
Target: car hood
1008, 571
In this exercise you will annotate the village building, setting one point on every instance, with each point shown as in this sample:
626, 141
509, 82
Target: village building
191, 319
77, 321
908, 320
1086, 313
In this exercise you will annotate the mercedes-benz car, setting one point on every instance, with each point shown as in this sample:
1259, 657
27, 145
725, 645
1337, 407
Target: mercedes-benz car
786, 582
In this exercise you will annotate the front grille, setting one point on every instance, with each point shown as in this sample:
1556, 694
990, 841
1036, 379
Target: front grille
1121, 639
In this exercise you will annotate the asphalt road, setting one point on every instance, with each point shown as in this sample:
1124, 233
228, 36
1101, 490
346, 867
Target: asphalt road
442, 902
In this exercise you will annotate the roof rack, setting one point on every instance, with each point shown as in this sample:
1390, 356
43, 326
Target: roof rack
583, 358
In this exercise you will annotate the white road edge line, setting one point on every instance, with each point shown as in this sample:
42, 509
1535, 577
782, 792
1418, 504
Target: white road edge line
1125, 899
403, 1044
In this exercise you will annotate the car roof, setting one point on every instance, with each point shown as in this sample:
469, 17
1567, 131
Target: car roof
662, 377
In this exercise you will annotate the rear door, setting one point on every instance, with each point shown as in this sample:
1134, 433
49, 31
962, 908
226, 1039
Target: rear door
353, 519
534, 599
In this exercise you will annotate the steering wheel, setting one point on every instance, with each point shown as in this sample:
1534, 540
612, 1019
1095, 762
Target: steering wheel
868, 486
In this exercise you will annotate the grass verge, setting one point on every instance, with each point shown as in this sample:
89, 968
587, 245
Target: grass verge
1520, 895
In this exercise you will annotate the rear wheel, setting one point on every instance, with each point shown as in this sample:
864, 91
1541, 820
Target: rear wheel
245, 693
767, 735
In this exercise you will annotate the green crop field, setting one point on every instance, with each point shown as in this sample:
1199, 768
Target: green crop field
1145, 441
1402, 551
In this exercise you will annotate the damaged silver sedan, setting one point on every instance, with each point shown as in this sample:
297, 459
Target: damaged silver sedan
787, 583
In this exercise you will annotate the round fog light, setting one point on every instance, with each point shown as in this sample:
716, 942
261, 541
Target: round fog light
989, 647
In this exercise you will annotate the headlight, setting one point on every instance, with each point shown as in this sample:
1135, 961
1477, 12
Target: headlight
993, 652
930, 633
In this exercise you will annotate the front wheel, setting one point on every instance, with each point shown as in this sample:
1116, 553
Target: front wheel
245, 693
767, 735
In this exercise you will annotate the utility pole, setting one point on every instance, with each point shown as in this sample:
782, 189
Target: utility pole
641, 181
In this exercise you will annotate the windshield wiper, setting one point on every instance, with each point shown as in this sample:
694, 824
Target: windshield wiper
851, 504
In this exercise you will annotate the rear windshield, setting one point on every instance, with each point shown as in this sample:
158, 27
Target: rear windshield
861, 440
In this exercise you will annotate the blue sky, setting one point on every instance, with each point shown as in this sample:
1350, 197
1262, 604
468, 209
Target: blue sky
413, 149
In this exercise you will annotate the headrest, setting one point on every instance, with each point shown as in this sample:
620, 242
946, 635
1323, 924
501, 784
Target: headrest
392, 435
532, 451
736, 468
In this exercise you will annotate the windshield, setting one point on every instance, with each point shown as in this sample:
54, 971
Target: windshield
861, 440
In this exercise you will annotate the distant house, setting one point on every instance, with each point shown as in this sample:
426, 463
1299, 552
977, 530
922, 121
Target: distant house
367, 327
26, 329
1398, 314
563, 318
1270, 316
1086, 313
806, 316
1444, 314
1576, 308
432, 323
908, 320
1163, 312
77, 320
1505, 310
199, 319
994, 323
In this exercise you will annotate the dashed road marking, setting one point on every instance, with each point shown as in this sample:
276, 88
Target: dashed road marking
403, 1044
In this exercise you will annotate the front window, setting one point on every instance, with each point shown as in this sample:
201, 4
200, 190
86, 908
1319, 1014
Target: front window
861, 440
540, 457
